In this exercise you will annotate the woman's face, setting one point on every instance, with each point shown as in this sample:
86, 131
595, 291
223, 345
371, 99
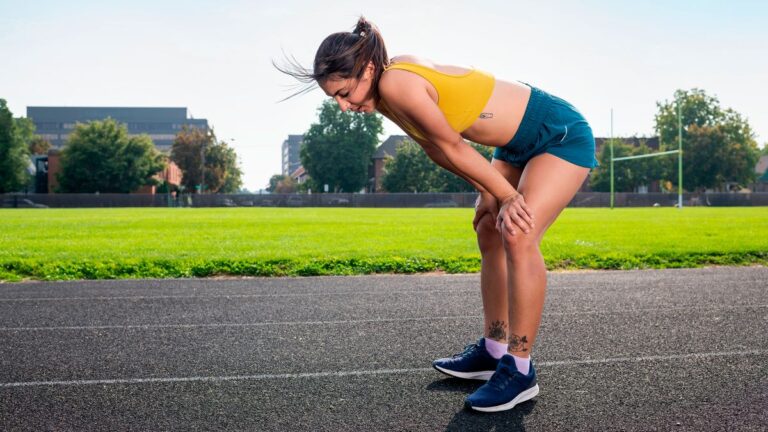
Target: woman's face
350, 93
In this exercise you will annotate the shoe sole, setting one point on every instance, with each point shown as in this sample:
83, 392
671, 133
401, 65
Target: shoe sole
481, 375
522, 397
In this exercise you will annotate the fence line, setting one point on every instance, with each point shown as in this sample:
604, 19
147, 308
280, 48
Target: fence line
394, 200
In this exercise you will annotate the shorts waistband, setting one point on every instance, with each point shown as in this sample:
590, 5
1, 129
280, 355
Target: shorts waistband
535, 112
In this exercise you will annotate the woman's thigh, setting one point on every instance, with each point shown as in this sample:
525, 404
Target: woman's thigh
548, 183
509, 171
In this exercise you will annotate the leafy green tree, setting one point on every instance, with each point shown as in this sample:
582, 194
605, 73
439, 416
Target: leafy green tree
338, 148
222, 173
720, 154
186, 152
600, 179
14, 154
411, 170
100, 157
629, 175
718, 144
220, 164
234, 180
25, 130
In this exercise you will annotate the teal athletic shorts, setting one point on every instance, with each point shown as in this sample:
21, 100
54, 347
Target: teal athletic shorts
550, 125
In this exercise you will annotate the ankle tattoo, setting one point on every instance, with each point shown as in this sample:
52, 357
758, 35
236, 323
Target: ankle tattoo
517, 343
497, 332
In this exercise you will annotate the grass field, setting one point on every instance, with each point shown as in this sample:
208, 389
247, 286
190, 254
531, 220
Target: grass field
59, 244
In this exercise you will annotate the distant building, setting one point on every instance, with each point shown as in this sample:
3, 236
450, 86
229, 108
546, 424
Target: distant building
161, 124
761, 170
299, 175
291, 154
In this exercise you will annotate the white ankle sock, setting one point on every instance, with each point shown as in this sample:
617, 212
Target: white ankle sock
523, 364
495, 348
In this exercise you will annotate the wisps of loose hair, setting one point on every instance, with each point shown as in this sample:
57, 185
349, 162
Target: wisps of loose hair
341, 55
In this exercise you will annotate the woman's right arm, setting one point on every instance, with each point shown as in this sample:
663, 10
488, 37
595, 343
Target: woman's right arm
439, 158
410, 101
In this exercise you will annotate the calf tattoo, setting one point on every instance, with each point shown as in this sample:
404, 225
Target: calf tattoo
517, 343
496, 331
486, 115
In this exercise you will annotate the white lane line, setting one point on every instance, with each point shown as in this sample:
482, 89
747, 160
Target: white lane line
473, 290
372, 320
256, 324
371, 372
236, 296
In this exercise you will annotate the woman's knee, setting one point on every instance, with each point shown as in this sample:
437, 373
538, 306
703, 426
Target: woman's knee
520, 244
488, 237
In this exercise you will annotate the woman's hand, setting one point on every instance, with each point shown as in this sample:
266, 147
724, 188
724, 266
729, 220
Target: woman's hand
514, 212
486, 204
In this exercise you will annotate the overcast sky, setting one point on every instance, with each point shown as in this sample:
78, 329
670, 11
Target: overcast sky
214, 57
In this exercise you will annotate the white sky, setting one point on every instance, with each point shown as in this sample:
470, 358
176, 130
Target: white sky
214, 57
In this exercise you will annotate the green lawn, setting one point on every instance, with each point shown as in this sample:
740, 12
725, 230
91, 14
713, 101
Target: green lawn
161, 242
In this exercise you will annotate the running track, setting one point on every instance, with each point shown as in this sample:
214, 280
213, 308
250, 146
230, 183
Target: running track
631, 350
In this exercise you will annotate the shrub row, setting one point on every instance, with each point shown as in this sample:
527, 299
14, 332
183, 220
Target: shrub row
17, 270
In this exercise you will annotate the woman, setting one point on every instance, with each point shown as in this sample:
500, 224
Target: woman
544, 152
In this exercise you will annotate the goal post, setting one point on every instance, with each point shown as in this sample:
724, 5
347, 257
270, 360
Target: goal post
678, 152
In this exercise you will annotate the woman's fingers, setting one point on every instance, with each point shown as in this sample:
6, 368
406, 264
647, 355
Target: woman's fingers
520, 222
514, 216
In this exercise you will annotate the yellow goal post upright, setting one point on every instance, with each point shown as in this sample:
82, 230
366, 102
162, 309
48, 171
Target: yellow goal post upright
679, 153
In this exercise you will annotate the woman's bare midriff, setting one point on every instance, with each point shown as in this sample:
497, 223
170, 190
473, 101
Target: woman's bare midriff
503, 112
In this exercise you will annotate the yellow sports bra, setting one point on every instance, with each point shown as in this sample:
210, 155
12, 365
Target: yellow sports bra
461, 98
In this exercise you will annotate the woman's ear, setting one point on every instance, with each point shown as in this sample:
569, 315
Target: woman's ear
369, 69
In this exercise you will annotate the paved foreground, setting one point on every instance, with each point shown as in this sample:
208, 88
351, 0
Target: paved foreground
636, 350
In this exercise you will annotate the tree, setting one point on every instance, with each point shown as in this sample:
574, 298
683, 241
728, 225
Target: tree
286, 185
718, 144
100, 157
39, 145
186, 152
411, 170
274, 180
222, 173
337, 150
14, 154
720, 154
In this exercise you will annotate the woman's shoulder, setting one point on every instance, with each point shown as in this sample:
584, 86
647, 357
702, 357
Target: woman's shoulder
449, 69
394, 79
413, 59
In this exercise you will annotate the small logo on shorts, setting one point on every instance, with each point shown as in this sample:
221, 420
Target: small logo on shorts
486, 115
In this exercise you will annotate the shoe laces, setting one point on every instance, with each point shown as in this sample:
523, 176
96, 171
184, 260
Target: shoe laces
467, 350
501, 379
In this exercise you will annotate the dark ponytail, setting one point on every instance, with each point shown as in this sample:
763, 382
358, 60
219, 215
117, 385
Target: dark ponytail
343, 55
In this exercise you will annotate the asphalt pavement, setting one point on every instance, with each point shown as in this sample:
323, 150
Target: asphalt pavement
678, 349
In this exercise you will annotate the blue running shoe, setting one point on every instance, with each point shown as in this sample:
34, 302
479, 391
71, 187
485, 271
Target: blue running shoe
473, 363
506, 388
